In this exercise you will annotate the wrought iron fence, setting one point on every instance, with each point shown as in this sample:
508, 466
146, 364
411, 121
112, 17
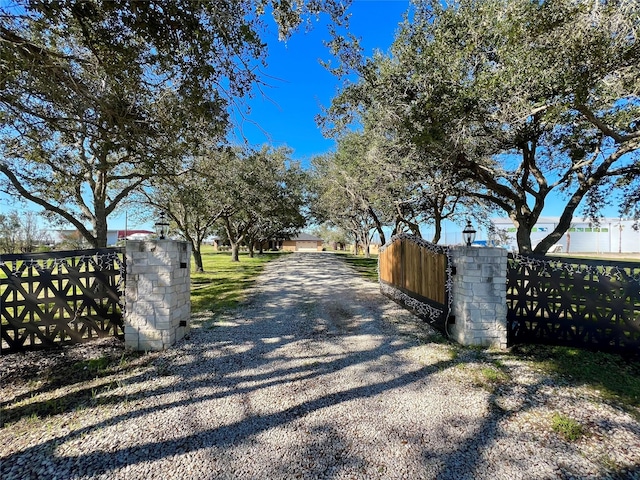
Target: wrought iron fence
576, 302
48, 299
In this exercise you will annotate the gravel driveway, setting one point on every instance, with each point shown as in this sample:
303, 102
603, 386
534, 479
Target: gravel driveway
318, 376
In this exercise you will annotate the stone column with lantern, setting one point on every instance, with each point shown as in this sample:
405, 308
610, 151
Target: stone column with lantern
157, 291
479, 294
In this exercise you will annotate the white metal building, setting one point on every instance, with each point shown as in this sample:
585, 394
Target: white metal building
612, 235
57, 236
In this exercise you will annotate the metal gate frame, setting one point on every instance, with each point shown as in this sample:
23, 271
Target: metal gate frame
54, 298
573, 302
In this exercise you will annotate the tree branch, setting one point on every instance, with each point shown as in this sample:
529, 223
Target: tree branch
46, 205
603, 127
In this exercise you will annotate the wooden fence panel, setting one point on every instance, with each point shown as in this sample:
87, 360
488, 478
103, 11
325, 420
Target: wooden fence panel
398, 270
416, 272
433, 278
390, 265
411, 259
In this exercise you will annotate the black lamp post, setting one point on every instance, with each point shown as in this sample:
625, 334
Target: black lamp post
469, 233
162, 226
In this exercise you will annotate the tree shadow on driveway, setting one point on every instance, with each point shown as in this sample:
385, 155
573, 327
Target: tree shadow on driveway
310, 379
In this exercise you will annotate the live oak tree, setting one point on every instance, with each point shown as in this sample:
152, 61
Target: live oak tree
253, 196
630, 184
84, 173
561, 96
328, 203
97, 97
263, 196
72, 240
336, 237
412, 183
282, 203
341, 195
524, 98
191, 199
356, 169
417, 188
9, 232
395, 182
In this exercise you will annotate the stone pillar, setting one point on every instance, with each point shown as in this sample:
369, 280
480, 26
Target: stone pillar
479, 296
157, 293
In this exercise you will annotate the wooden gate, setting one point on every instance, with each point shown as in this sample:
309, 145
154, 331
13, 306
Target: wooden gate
575, 302
48, 299
417, 274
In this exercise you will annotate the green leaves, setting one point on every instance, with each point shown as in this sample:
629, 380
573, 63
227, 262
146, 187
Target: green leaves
96, 96
256, 195
520, 98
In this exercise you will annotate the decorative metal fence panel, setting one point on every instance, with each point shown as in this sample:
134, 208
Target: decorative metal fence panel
575, 302
53, 298
417, 274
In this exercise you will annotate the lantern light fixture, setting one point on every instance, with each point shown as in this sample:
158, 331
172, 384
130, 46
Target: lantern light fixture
162, 226
469, 233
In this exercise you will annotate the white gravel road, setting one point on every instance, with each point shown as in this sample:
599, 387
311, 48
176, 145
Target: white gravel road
318, 376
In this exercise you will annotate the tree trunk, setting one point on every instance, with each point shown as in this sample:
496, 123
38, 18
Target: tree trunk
234, 239
565, 219
64, 213
99, 191
437, 234
367, 249
373, 215
523, 235
100, 228
396, 227
197, 258
235, 252
251, 247
383, 238
415, 229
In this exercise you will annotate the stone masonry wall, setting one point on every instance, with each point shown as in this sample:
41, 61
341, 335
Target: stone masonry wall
157, 293
479, 296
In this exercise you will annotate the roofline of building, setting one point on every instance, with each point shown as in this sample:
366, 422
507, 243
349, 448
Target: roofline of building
603, 220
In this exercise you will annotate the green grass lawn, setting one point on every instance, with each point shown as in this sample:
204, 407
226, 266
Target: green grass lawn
613, 257
223, 283
615, 377
367, 267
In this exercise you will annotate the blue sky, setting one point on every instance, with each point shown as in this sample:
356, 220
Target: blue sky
299, 85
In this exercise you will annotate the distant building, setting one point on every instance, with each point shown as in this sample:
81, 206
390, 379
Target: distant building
130, 235
612, 235
113, 236
303, 242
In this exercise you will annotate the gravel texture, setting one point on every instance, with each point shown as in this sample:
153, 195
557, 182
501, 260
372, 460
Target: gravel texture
316, 376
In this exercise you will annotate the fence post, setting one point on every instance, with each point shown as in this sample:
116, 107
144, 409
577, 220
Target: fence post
157, 293
479, 296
